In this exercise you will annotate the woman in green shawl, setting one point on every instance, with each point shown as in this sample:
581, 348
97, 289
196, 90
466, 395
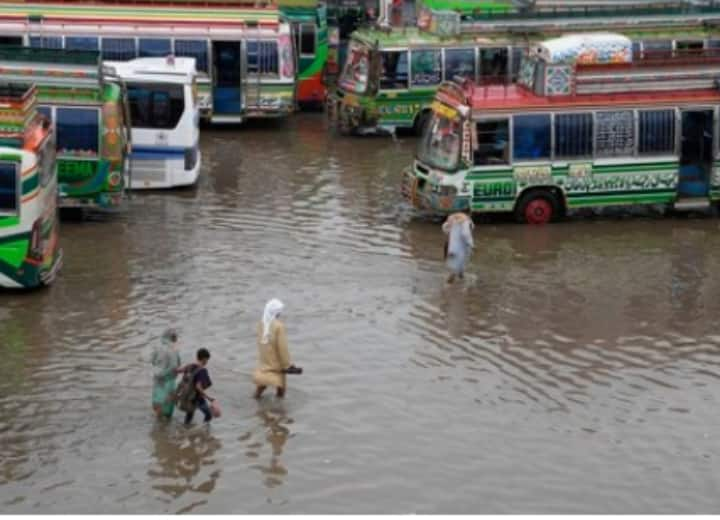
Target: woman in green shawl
165, 362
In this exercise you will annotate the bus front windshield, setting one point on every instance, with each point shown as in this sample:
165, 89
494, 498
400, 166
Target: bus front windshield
440, 143
357, 69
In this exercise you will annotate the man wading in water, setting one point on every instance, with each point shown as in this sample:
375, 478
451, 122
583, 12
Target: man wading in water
458, 245
273, 355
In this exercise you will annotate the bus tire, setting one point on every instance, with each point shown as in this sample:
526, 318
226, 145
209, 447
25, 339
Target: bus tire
421, 121
538, 207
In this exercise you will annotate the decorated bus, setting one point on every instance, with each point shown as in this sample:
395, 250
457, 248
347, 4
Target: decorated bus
244, 53
30, 255
88, 111
308, 21
390, 76
590, 123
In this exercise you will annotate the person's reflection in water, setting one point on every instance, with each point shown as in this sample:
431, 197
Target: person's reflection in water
180, 455
454, 304
274, 419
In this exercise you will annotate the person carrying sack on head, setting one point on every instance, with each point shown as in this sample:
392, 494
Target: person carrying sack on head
273, 356
458, 244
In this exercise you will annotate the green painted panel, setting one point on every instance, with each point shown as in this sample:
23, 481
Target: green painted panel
13, 253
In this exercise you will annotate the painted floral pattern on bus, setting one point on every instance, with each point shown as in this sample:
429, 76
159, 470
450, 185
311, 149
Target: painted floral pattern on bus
557, 81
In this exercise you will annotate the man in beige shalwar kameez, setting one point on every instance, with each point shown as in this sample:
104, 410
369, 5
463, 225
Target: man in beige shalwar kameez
273, 355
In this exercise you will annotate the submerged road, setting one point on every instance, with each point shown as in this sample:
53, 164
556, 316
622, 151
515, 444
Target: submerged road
577, 368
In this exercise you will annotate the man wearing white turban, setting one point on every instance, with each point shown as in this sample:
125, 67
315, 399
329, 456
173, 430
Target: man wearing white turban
273, 355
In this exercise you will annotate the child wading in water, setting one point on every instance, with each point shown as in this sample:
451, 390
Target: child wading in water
201, 382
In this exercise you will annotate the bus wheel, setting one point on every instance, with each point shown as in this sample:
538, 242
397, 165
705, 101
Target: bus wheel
539, 207
421, 121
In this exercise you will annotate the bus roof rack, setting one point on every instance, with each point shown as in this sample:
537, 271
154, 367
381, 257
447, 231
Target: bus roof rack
18, 111
51, 67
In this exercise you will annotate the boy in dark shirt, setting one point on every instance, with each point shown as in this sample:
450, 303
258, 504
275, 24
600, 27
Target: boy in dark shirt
202, 382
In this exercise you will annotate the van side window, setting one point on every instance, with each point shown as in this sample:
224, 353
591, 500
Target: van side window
493, 144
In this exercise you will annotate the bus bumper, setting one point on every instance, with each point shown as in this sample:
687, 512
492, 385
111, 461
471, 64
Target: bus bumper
48, 276
107, 202
421, 195
348, 116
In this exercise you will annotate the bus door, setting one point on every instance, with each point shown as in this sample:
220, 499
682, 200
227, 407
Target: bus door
696, 153
227, 78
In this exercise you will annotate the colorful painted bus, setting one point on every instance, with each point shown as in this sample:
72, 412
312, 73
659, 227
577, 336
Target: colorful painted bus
391, 76
308, 21
244, 53
164, 118
88, 111
30, 255
590, 123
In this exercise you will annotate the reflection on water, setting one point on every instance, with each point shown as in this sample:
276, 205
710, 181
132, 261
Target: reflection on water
180, 455
275, 424
574, 370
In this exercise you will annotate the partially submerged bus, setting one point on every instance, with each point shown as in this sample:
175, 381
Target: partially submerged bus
308, 22
30, 255
164, 119
391, 76
88, 112
589, 124
244, 53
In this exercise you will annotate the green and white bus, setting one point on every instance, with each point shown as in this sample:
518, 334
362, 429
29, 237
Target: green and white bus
89, 116
589, 124
390, 76
30, 255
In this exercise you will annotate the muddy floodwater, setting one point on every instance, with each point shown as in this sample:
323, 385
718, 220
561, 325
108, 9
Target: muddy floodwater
576, 369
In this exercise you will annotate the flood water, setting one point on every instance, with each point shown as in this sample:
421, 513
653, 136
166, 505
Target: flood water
576, 369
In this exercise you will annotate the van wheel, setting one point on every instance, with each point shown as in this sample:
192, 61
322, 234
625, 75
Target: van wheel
538, 207
421, 121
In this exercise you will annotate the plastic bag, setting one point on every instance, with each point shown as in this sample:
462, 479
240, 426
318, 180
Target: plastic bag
215, 409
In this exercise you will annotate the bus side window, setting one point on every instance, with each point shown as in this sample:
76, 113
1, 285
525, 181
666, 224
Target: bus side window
426, 68
82, 43
394, 70
307, 39
154, 47
121, 49
46, 42
8, 188
459, 62
493, 144
574, 136
657, 132
197, 49
531, 137
493, 63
